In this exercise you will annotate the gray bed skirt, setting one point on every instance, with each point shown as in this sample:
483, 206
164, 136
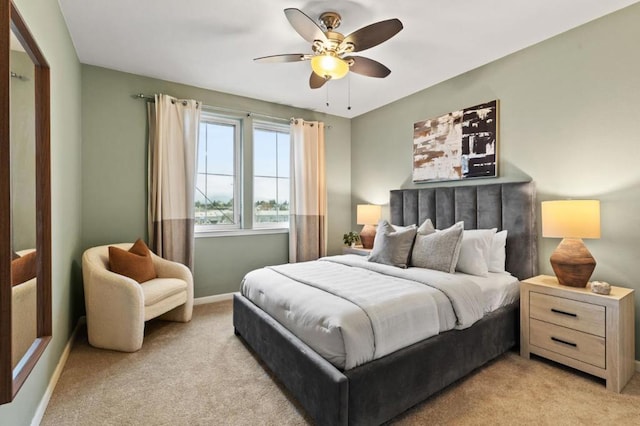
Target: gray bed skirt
381, 389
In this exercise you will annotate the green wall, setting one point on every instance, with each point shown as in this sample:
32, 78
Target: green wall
48, 27
114, 177
569, 115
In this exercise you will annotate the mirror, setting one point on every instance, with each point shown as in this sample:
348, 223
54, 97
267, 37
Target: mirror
25, 204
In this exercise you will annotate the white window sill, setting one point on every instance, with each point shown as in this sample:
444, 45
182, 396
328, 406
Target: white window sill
240, 232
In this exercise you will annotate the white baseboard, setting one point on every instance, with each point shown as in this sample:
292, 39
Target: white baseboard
44, 402
213, 299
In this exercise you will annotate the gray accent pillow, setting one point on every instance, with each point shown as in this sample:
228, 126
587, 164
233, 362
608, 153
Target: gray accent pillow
392, 247
426, 228
438, 250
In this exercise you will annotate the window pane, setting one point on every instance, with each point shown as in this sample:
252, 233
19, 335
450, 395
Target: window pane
215, 151
202, 149
283, 155
264, 153
265, 200
214, 201
271, 176
283, 200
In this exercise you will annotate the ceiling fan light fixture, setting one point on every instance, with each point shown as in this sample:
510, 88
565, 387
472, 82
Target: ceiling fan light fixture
328, 66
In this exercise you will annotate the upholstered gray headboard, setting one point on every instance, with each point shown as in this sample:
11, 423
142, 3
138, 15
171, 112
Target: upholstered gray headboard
509, 206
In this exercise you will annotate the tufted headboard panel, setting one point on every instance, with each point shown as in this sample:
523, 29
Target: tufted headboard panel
509, 206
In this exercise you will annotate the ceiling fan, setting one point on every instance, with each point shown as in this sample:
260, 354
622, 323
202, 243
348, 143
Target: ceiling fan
331, 57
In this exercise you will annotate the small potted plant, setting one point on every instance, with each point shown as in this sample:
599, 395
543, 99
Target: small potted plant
351, 238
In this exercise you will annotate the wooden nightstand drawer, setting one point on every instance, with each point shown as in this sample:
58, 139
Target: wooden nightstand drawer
571, 343
568, 313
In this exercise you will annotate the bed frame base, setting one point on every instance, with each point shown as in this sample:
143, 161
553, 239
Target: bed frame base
381, 389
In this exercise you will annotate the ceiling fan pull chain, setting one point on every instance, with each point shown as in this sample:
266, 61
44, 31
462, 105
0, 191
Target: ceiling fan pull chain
349, 92
327, 86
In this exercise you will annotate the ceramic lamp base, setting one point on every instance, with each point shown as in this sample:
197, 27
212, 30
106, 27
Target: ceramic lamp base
367, 235
572, 263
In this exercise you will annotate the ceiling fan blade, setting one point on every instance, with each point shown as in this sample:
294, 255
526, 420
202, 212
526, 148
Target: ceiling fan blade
315, 81
368, 67
290, 57
304, 25
372, 35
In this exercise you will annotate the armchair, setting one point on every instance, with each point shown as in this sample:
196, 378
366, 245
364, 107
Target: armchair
118, 306
24, 316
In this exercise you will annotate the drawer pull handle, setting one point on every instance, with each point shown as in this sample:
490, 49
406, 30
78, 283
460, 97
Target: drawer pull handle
557, 311
555, 339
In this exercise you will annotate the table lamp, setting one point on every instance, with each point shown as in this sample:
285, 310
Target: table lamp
368, 215
571, 220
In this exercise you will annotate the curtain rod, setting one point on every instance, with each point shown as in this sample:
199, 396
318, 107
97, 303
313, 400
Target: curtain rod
237, 111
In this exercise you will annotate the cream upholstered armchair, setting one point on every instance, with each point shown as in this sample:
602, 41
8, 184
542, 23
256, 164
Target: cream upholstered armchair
118, 306
24, 312
23, 319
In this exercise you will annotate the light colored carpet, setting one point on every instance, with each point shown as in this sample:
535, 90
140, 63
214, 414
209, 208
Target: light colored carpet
200, 373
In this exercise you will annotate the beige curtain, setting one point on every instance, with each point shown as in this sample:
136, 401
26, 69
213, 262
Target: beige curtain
173, 139
307, 221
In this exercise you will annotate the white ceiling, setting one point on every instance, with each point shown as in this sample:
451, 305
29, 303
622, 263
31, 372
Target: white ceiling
211, 43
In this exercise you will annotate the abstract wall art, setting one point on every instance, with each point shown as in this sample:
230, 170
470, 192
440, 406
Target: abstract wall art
462, 144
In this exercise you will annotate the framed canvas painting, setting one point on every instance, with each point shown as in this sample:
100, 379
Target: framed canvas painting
462, 144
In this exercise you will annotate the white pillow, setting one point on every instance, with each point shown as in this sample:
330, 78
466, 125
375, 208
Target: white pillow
475, 251
498, 256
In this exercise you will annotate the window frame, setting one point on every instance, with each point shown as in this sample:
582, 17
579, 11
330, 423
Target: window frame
237, 124
278, 128
243, 175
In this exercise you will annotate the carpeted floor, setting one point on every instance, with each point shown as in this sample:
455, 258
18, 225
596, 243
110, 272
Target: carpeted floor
200, 373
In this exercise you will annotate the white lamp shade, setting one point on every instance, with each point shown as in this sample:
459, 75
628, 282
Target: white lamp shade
368, 214
571, 219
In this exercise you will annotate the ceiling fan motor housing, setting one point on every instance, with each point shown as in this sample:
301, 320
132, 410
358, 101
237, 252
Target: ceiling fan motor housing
330, 20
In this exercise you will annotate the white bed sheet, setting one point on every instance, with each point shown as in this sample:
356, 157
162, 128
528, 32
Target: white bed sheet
498, 288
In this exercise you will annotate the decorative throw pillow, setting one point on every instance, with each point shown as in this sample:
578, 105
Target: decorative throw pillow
23, 268
135, 263
498, 256
426, 228
438, 250
475, 251
392, 247
397, 228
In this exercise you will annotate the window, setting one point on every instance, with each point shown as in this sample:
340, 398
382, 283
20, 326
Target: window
270, 176
217, 195
242, 178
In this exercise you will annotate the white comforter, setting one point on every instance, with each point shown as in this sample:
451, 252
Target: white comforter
352, 311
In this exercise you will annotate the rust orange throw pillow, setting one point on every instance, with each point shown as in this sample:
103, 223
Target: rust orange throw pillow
23, 268
135, 263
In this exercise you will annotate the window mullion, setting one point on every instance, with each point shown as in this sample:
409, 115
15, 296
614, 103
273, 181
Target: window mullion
247, 173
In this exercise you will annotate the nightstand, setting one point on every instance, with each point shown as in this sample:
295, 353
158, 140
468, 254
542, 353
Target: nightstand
356, 250
590, 332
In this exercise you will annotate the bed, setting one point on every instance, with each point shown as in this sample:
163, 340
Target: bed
377, 391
